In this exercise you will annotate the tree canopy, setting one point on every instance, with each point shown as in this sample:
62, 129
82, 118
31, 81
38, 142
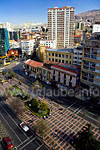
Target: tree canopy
35, 103
43, 105
86, 140
41, 127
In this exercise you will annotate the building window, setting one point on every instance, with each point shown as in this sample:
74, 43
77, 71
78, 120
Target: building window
52, 54
75, 57
62, 55
67, 62
66, 56
49, 54
56, 55
64, 76
70, 78
65, 82
59, 60
49, 59
62, 61
52, 59
56, 60
59, 55
70, 57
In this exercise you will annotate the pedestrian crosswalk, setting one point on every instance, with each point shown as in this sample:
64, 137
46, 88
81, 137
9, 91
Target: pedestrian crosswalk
3, 131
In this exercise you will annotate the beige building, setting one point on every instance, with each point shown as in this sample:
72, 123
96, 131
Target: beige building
61, 26
59, 55
40, 52
90, 69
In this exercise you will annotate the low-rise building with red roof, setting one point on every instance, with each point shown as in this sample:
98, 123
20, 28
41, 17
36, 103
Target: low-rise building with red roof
65, 74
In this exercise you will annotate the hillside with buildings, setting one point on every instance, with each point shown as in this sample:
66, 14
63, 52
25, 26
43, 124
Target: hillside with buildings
29, 25
91, 16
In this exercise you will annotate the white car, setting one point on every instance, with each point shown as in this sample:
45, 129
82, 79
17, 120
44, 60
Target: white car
24, 126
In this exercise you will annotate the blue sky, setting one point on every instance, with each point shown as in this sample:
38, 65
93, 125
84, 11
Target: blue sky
21, 11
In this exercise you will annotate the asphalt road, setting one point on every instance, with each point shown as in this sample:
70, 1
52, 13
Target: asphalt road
22, 140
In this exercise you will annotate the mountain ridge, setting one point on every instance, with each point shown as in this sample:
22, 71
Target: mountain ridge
90, 15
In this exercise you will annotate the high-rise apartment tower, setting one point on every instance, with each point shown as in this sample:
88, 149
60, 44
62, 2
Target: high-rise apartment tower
61, 26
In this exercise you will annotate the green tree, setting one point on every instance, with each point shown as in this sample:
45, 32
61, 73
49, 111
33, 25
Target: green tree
3, 72
35, 103
11, 73
86, 140
43, 105
41, 127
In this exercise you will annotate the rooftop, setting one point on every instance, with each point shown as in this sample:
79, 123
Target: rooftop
67, 67
33, 63
61, 50
65, 7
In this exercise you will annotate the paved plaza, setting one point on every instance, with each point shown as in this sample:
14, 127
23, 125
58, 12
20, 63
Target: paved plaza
63, 125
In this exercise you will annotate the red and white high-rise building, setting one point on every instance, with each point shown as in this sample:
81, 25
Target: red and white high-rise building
61, 26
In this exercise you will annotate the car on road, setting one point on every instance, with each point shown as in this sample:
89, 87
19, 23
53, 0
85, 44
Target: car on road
7, 143
24, 126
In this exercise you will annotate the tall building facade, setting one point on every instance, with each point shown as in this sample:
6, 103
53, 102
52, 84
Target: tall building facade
90, 70
4, 41
77, 55
61, 26
27, 46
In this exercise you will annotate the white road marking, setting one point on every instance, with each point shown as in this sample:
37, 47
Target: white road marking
39, 147
27, 143
13, 120
77, 109
11, 128
71, 105
94, 114
24, 141
93, 119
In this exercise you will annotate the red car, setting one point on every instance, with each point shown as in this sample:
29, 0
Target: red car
8, 143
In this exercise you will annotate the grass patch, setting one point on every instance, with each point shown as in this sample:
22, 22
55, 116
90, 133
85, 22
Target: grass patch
14, 90
37, 111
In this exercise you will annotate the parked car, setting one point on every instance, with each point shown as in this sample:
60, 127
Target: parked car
24, 126
7, 143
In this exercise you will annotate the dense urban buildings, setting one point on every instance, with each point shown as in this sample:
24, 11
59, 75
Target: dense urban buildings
4, 41
50, 80
96, 27
59, 55
65, 75
77, 55
48, 43
90, 71
61, 26
27, 46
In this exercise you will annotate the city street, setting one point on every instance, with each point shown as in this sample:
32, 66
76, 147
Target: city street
72, 103
20, 139
9, 126
63, 125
